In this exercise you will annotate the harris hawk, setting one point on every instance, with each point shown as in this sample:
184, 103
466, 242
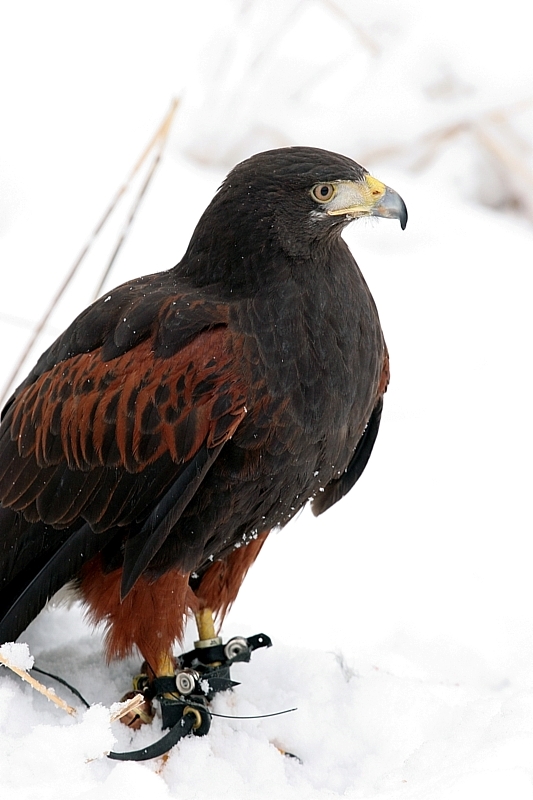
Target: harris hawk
185, 414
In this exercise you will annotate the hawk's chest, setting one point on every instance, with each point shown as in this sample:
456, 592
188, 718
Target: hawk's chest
318, 353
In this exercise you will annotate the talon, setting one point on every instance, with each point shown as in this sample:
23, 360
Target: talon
184, 687
285, 752
141, 682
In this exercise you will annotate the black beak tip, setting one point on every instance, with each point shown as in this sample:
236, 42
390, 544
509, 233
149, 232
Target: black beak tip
403, 217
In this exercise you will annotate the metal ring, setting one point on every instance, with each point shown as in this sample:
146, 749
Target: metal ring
186, 681
195, 713
235, 647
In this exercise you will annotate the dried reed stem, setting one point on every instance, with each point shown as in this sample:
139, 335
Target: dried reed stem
161, 139
48, 693
160, 134
429, 142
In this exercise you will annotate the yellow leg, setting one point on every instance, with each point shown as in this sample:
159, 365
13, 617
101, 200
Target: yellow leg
144, 713
165, 665
205, 624
207, 635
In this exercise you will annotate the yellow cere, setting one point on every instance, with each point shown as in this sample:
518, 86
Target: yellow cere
356, 197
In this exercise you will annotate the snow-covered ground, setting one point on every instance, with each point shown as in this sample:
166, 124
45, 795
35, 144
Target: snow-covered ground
402, 619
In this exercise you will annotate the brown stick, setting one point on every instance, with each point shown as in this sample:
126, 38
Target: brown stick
121, 709
48, 693
127, 706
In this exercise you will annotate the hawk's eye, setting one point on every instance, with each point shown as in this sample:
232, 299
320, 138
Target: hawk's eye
323, 192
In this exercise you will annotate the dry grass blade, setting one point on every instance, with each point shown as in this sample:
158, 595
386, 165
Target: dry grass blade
160, 139
160, 135
366, 40
39, 687
505, 155
513, 166
422, 151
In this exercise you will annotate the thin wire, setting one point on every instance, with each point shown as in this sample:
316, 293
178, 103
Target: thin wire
253, 716
194, 705
64, 682
236, 716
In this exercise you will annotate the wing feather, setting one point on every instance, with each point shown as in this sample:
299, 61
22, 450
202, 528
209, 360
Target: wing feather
116, 442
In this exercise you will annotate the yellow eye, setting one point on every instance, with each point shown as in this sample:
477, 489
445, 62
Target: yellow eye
323, 192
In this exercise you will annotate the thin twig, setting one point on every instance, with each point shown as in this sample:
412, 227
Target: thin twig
366, 40
121, 709
162, 139
513, 163
162, 131
124, 232
48, 693
432, 139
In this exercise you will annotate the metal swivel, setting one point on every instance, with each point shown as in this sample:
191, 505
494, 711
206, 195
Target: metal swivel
186, 680
237, 649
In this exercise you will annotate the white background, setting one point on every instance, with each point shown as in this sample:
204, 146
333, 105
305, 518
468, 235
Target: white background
402, 618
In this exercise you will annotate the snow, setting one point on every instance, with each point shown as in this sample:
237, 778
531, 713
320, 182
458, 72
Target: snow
404, 637
16, 655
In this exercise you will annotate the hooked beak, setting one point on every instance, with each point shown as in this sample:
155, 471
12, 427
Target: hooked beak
367, 198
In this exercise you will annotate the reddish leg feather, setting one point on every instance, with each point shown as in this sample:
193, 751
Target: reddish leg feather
221, 583
151, 617
153, 614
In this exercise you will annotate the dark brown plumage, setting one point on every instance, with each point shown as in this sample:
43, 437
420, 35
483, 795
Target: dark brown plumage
184, 415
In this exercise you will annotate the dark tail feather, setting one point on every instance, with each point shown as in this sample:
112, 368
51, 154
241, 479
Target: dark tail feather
25, 590
141, 548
